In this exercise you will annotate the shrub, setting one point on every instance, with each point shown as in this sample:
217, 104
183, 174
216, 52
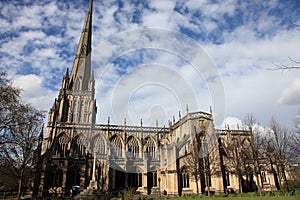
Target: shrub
292, 184
128, 194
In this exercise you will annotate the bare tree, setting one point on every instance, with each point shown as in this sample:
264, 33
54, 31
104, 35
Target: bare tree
207, 142
192, 160
237, 158
255, 144
278, 149
20, 127
9, 103
202, 156
210, 155
296, 140
234, 159
18, 146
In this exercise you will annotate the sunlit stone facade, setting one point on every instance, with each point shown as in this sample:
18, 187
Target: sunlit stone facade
189, 156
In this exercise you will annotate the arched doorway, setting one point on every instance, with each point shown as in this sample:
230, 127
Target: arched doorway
53, 178
73, 177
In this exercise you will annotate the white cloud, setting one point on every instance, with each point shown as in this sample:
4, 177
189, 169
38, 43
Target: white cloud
44, 36
291, 95
135, 93
235, 123
231, 123
243, 61
33, 92
30, 85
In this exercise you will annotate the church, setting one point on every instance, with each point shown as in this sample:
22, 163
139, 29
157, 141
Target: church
188, 157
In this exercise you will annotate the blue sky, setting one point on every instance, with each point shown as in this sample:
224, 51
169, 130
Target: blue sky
242, 39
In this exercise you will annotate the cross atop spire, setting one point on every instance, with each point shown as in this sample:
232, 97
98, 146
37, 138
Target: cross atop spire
81, 70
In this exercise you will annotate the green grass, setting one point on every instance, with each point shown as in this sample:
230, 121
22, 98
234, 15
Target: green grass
242, 198
275, 195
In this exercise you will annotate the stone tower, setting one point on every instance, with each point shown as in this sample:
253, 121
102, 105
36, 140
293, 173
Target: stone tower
76, 102
66, 148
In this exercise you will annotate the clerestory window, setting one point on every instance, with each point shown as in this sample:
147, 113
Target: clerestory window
117, 146
133, 147
150, 147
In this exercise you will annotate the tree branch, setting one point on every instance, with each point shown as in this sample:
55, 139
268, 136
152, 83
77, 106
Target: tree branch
284, 67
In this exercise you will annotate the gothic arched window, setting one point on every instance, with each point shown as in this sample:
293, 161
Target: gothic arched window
62, 145
99, 146
150, 147
87, 110
80, 146
133, 147
185, 178
117, 146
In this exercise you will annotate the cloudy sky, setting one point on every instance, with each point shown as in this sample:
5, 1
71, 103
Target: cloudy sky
152, 58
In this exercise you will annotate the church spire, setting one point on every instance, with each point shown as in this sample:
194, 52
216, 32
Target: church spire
81, 70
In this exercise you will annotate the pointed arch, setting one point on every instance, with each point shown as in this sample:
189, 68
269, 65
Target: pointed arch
62, 144
116, 146
150, 147
53, 176
74, 175
80, 145
184, 176
99, 146
133, 146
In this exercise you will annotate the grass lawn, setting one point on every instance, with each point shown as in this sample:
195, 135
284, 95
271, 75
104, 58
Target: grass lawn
244, 198
276, 195
247, 196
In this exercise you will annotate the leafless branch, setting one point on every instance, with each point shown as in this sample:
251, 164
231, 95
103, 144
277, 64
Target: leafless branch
295, 61
284, 67
295, 25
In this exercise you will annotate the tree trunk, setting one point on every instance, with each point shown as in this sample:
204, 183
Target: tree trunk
258, 175
201, 167
20, 185
207, 185
258, 184
278, 176
240, 183
261, 180
223, 169
285, 179
238, 170
197, 186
